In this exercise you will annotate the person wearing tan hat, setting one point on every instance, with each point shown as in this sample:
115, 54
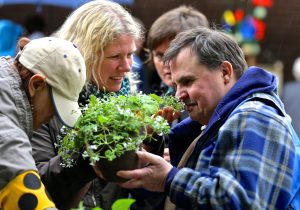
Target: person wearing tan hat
106, 35
43, 80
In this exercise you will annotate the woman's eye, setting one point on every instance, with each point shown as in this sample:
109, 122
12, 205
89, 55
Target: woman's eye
114, 57
158, 56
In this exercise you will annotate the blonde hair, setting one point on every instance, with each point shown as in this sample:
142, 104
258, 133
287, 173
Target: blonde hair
93, 26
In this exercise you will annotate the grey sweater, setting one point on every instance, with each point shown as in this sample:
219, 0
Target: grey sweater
15, 124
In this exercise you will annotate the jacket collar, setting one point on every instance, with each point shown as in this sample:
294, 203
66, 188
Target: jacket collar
254, 80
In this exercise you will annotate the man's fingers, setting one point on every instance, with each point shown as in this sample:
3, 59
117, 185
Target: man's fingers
131, 184
167, 154
160, 112
130, 174
145, 157
176, 114
151, 177
149, 157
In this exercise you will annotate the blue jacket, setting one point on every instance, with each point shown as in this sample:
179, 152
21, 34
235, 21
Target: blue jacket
245, 158
180, 137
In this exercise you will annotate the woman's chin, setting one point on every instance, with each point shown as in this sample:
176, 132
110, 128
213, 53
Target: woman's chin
168, 82
114, 88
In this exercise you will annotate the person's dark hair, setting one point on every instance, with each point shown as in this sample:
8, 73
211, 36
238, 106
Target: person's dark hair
34, 23
212, 48
168, 25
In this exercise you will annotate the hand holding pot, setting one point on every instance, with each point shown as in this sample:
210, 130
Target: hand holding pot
169, 113
167, 154
151, 177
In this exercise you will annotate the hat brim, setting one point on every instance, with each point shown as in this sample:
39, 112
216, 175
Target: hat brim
68, 111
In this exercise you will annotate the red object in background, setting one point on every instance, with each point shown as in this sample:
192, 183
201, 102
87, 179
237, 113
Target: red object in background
260, 29
264, 3
239, 14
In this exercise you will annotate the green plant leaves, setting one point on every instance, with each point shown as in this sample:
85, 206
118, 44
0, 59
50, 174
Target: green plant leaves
122, 204
119, 204
113, 125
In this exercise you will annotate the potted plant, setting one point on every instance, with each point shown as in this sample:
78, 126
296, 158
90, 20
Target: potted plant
114, 126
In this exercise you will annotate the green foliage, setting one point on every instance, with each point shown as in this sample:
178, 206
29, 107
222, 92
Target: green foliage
112, 125
120, 204
166, 101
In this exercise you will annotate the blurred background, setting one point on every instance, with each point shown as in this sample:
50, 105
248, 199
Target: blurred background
267, 30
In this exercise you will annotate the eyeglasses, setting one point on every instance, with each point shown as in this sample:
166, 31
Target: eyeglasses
157, 55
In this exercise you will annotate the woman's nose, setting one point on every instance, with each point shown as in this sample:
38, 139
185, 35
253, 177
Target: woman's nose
126, 64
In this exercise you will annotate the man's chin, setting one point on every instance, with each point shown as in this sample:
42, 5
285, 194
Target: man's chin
194, 116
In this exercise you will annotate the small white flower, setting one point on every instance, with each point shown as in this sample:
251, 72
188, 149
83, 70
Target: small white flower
93, 146
124, 144
85, 154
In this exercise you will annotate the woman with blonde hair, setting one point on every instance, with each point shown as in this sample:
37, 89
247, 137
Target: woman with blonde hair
105, 33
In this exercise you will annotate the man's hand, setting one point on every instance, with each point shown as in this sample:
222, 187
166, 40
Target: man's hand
169, 114
151, 177
167, 154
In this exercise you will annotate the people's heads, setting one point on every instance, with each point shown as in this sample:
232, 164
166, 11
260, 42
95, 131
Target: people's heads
105, 33
296, 69
53, 73
164, 30
205, 64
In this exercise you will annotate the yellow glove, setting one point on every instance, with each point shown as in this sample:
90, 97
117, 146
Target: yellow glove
26, 191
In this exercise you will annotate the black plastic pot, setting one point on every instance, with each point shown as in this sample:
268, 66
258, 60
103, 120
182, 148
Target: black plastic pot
128, 161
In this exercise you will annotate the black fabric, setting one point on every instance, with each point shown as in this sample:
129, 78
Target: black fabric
60, 182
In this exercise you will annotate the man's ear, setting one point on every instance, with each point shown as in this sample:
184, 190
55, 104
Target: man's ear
36, 83
227, 71
22, 42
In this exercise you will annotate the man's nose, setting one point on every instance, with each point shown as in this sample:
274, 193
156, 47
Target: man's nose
181, 94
